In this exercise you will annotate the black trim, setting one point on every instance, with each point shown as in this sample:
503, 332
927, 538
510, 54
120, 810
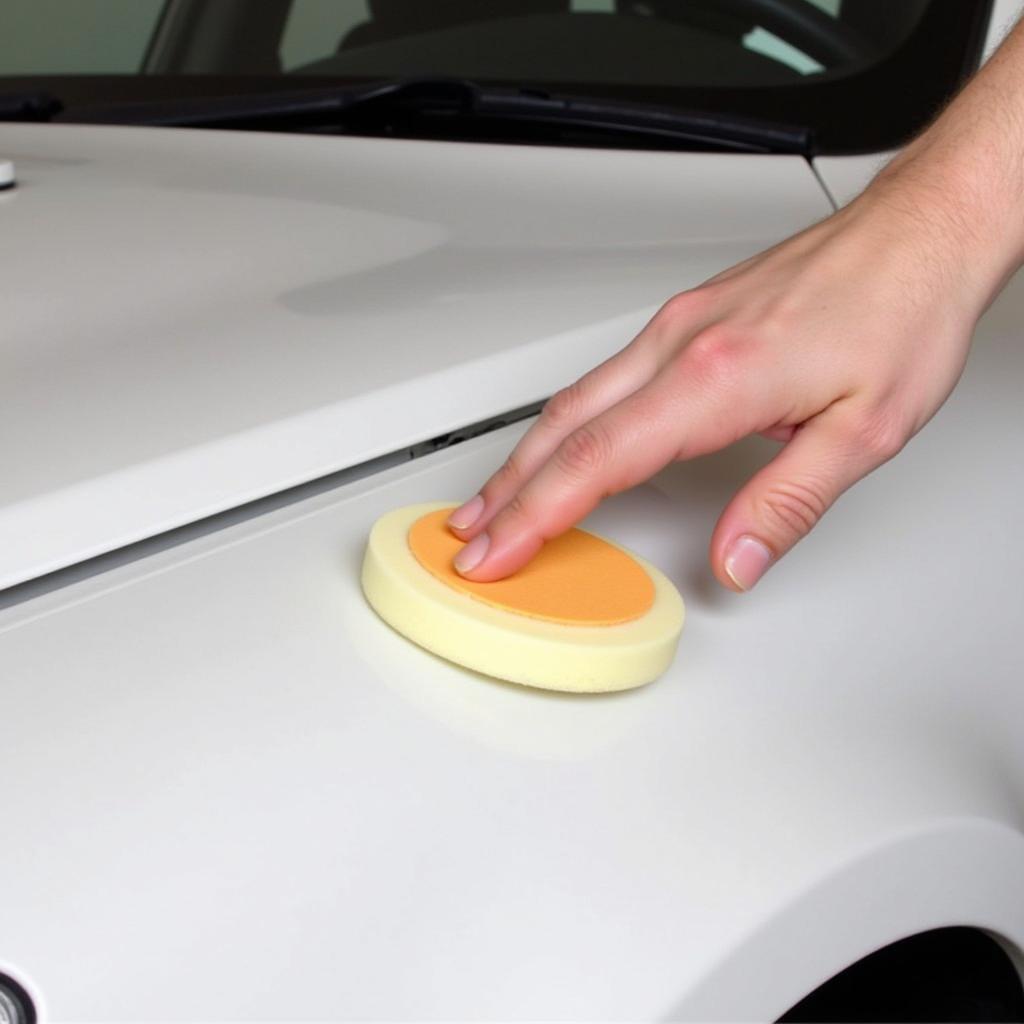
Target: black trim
443, 108
28, 105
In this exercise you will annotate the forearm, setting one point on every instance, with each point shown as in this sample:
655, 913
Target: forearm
965, 174
841, 342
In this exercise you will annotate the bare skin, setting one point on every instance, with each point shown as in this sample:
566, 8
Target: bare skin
842, 342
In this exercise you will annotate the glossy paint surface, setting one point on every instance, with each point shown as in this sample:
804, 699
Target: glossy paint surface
196, 319
234, 793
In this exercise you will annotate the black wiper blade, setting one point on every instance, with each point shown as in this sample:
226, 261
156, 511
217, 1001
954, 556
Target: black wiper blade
29, 106
395, 103
690, 126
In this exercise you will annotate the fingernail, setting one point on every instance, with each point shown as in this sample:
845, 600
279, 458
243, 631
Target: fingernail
466, 515
472, 554
746, 561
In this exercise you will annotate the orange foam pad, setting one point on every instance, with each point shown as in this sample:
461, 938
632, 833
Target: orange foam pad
576, 579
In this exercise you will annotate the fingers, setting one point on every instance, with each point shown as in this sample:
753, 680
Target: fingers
686, 411
594, 393
784, 501
565, 411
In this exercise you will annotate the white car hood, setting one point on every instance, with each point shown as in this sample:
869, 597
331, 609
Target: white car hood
192, 320
232, 793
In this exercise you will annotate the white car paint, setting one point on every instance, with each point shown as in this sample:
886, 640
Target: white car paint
237, 794
231, 792
196, 319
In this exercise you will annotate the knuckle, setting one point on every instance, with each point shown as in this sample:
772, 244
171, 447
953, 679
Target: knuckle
507, 474
793, 508
506, 479
563, 408
880, 435
715, 356
681, 307
584, 452
516, 515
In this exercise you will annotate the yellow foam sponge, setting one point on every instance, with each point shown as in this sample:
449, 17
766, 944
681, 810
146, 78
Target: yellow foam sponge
584, 616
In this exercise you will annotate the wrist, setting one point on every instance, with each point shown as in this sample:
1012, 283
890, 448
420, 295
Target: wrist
962, 212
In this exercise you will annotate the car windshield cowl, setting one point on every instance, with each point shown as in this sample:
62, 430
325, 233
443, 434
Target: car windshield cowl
29, 106
412, 107
856, 76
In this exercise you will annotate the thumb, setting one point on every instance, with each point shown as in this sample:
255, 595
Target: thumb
785, 500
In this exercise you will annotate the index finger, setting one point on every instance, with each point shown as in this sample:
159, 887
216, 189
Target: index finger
595, 392
680, 414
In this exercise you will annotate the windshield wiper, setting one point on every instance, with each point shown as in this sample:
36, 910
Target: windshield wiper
457, 108
29, 106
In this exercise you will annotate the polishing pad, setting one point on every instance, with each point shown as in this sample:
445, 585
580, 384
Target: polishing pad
583, 616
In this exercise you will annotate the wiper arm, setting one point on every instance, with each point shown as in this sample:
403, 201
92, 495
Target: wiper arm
390, 107
685, 126
29, 106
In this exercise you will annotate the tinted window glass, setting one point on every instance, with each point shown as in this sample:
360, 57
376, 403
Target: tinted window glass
82, 36
860, 74
666, 43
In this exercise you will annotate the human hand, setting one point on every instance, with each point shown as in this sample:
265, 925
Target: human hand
841, 342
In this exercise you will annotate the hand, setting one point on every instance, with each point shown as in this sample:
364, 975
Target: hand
841, 343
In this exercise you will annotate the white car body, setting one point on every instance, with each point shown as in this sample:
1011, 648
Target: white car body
231, 792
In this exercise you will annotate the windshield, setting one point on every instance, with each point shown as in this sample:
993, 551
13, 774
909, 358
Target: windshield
861, 74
